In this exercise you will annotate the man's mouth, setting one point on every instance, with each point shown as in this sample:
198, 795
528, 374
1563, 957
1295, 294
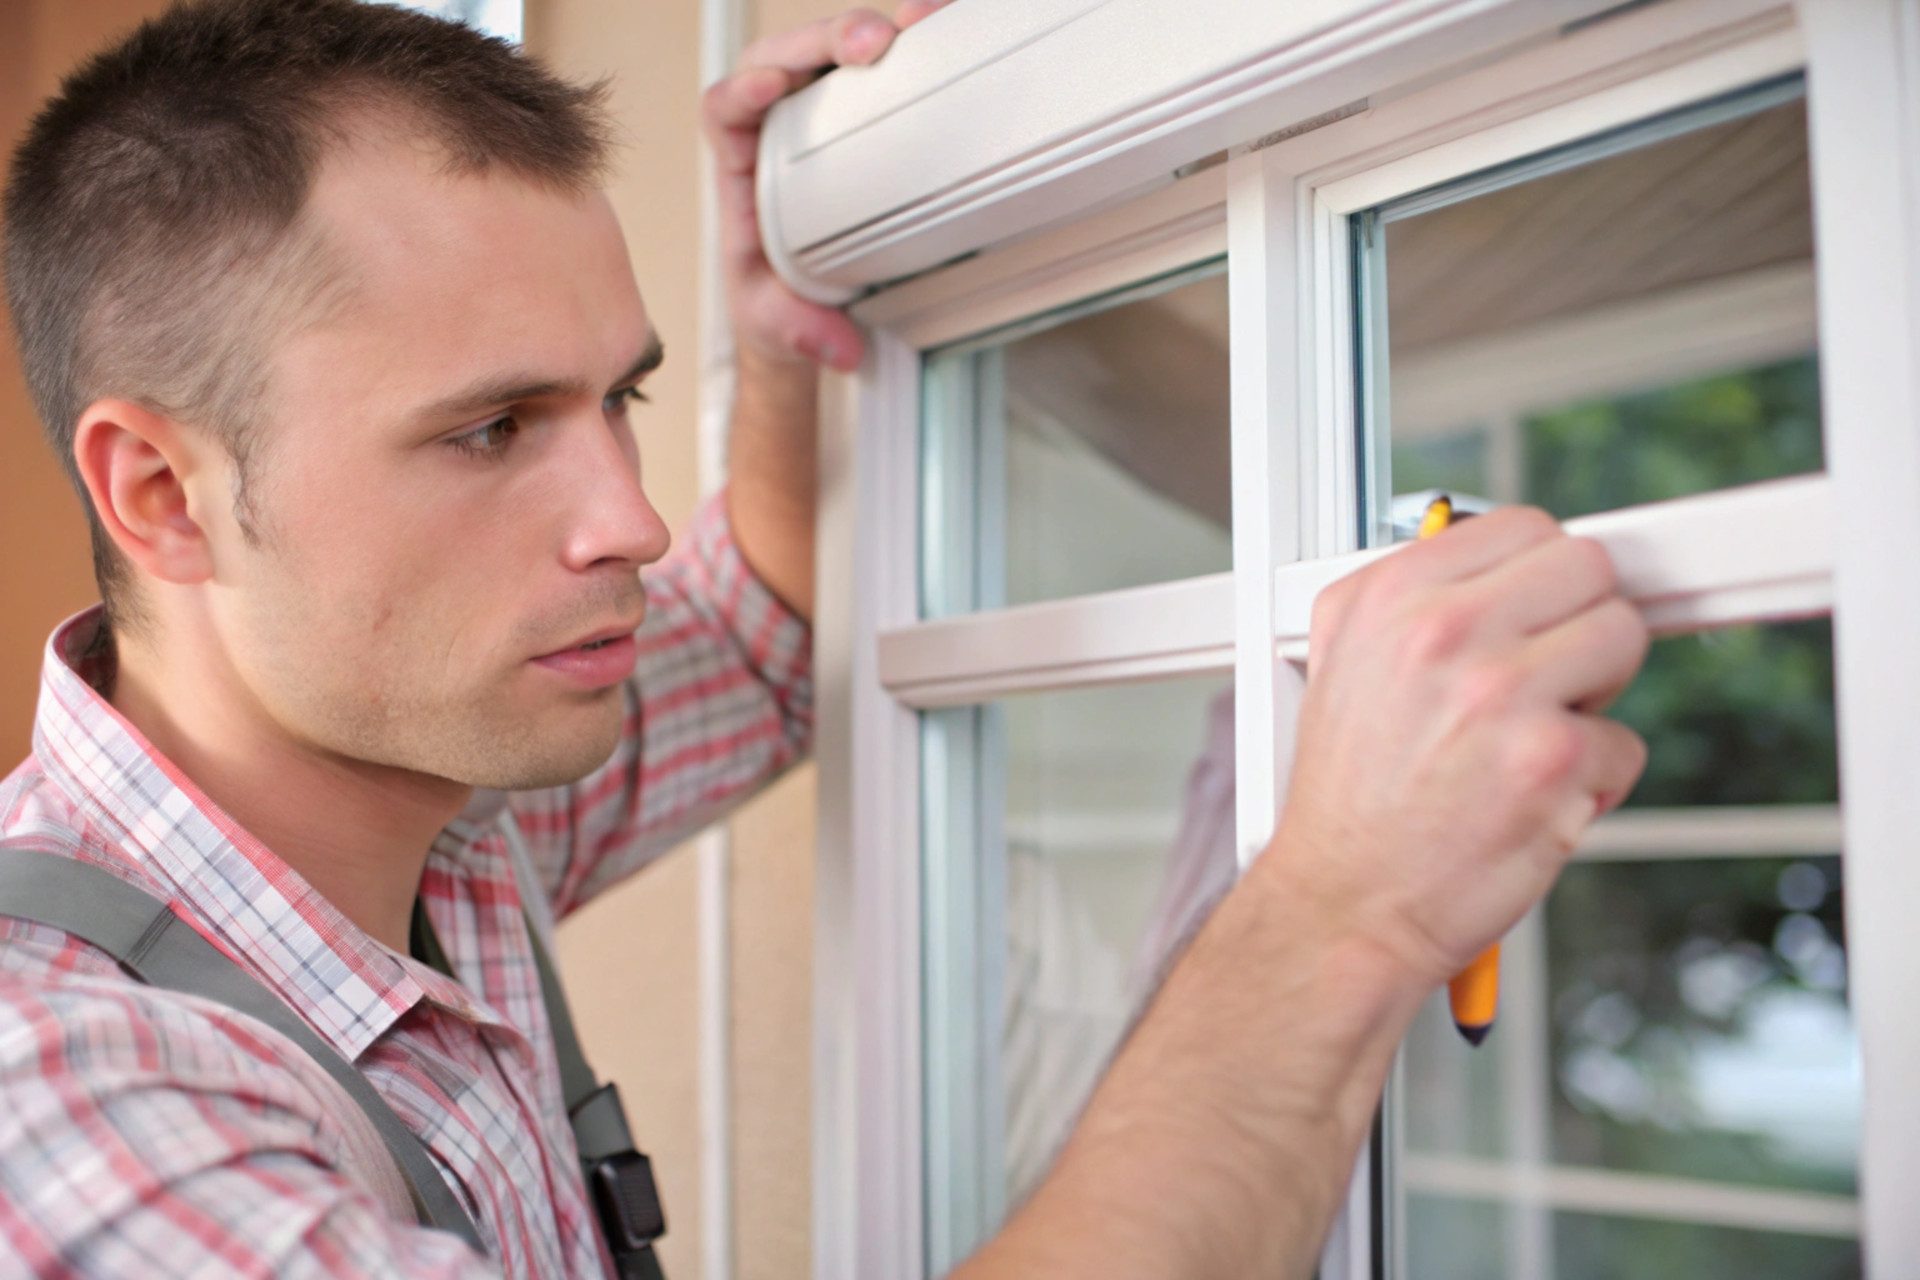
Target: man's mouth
596, 663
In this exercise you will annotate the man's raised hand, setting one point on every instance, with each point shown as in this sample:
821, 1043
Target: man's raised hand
770, 321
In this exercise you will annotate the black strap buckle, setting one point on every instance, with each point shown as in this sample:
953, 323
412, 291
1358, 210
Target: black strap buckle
627, 1200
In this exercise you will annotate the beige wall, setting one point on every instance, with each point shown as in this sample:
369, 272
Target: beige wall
45, 572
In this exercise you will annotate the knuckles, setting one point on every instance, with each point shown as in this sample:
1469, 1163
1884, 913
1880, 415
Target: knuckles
1544, 754
1438, 633
846, 23
1488, 690
1593, 564
1625, 628
1527, 525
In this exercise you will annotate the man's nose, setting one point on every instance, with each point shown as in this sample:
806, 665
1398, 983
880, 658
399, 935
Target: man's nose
610, 517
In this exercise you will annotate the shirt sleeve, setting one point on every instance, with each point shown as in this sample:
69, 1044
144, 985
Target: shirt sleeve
719, 705
135, 1128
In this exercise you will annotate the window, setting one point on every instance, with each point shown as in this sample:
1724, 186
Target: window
1062, 622
503, 18
1083, 452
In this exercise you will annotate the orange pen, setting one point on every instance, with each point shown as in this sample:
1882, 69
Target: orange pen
1474, 993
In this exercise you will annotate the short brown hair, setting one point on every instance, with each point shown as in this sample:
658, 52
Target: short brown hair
153, 212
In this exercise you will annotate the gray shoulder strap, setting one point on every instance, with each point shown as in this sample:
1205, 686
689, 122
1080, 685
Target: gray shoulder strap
157, 947
577, 1080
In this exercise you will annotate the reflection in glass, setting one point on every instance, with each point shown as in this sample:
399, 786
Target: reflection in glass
1073, 841
1623, 321
502, 18
1470, 1240
1083, 452
1699, 1021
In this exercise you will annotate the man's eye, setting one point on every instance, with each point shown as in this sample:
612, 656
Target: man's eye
488, 441
619, 400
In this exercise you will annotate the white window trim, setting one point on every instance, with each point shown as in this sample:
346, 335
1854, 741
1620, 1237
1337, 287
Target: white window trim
1293, 502
867, 1163
1864, 132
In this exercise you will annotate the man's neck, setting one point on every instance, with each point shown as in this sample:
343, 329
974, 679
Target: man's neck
358, 833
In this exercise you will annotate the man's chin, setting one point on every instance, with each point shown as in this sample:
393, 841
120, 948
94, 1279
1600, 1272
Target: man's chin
528, 761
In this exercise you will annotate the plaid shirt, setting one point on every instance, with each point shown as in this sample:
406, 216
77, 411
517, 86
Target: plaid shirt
148, 1134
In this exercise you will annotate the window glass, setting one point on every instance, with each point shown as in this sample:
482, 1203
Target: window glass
502, 18
1083, 452
1471, 1240
1621, 321
1073, 841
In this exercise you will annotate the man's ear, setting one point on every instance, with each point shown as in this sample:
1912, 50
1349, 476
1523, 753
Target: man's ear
136, 465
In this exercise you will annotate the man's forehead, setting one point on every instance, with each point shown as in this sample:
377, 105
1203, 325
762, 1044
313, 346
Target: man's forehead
395, 202
449, 277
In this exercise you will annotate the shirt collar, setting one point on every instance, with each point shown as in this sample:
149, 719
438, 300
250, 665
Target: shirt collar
349, 986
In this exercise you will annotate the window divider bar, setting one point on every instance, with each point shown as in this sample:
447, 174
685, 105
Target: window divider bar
1756, 553
1636, 1195
1172, 628
1714, 831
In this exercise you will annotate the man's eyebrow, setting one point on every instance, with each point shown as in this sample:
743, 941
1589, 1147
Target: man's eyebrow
495, 391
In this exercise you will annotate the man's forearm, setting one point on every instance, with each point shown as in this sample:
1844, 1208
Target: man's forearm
1218, 1144
771, 465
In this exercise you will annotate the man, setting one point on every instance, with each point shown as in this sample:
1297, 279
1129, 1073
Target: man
322, 308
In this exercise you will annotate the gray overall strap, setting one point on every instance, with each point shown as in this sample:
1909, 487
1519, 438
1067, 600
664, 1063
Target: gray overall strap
160, 949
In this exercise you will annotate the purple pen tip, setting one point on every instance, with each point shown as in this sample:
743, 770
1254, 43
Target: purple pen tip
1476, 1036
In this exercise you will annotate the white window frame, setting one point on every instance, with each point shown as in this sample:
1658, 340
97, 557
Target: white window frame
1279, 212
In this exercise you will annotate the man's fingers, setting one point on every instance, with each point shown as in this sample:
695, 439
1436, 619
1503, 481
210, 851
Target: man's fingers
776, 65
740, 101
912, 11
1477, 545
1612, 762
1546, 584
853, 38
1587, 660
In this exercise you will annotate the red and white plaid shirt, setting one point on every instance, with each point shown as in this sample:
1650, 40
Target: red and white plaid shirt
147, 1134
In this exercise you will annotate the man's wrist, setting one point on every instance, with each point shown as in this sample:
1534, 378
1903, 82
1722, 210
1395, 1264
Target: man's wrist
1304, 868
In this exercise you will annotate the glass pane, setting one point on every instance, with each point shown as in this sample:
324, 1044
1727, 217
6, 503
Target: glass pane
1623, 321
1082, 452
1471, 1240
1699, 1021
1068, 853
502, 18
1678, 1006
